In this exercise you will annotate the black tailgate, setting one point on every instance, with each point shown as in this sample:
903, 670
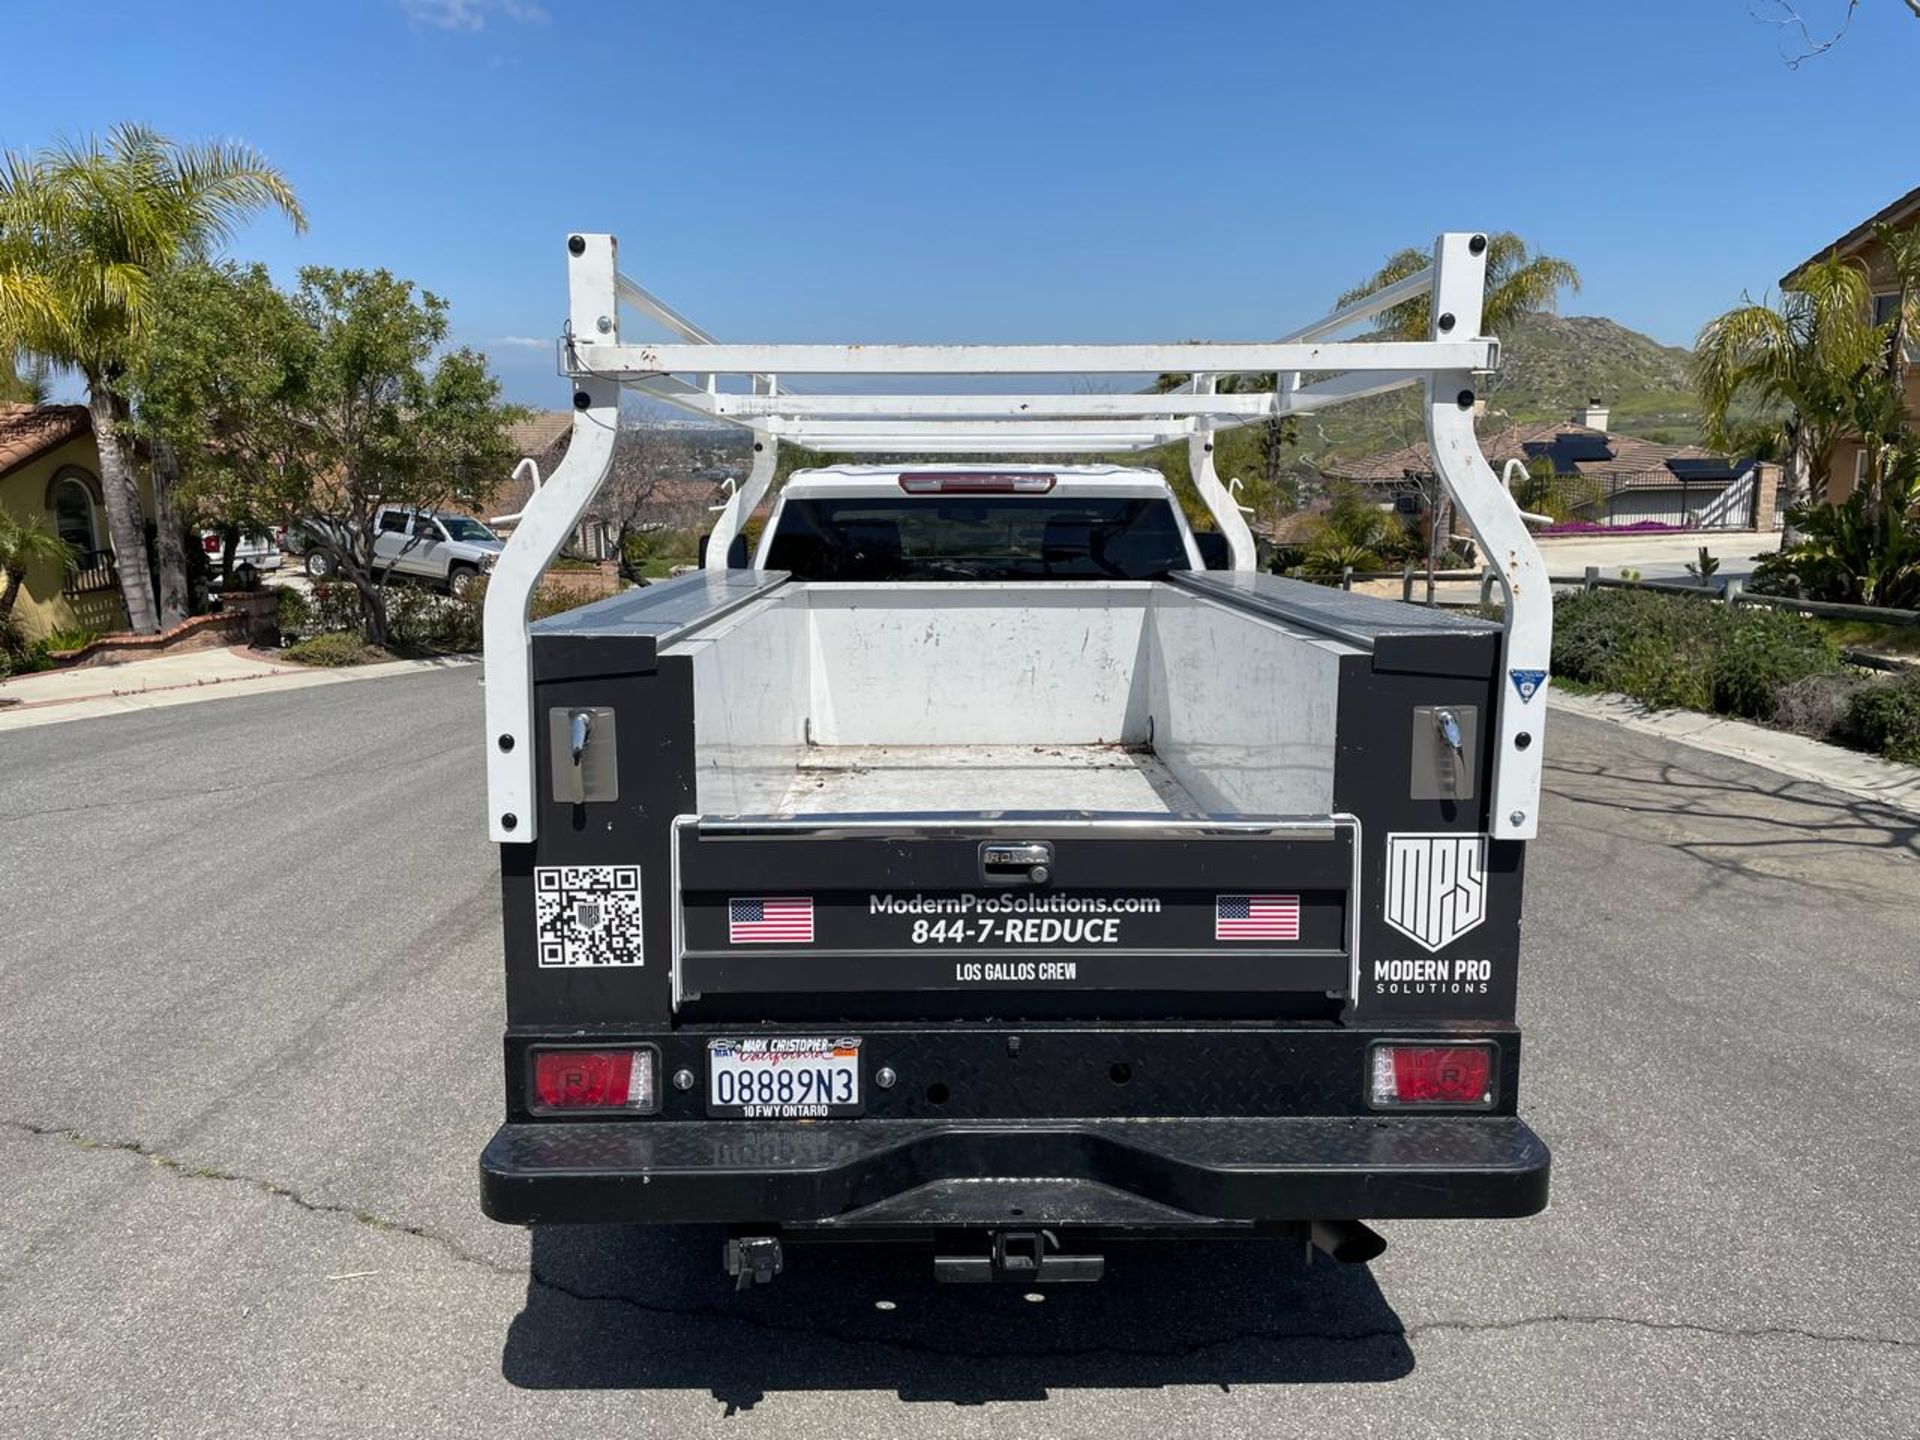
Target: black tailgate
926, 904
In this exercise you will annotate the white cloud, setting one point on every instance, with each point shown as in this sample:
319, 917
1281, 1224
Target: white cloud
472, 14
523, 342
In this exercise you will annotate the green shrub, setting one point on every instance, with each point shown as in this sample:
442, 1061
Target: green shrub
1676, 651
1863, 551
1658, 673
1592, 632
293, 611
547, 600
1886, 717
1331, 556
1758, 653
17, 653
333, 647
419, 619
1354, 530
78, 638
336, 606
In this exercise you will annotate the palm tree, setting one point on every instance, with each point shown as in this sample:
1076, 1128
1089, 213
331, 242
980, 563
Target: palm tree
1902, 249
1520, 281
85, 228
1810, 355
24, 543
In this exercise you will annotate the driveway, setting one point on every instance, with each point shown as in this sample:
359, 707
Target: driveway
248, 1065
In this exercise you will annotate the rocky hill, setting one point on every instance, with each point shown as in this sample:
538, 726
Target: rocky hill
1554, 363
1551, 365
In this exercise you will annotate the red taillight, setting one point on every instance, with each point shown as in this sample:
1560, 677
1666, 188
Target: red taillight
975, 482
593, 1079
1432, 1075
210, 544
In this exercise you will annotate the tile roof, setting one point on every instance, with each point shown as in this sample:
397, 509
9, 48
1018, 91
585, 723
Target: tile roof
539, 432
29, 431
542, 438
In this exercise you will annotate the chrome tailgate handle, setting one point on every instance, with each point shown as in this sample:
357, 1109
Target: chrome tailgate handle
1016, 862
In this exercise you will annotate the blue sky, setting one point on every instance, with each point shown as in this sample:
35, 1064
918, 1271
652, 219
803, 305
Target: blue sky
988, 171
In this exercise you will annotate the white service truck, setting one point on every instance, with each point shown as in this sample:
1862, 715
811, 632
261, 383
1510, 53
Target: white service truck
973, 864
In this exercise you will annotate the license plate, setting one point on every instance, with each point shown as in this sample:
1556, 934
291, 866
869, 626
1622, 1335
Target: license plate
783, 1078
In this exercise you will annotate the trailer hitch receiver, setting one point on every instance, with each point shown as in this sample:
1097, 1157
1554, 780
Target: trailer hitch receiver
1029, 1257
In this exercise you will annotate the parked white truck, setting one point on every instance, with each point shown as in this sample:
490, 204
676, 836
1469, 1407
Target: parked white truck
973, 864
441, 547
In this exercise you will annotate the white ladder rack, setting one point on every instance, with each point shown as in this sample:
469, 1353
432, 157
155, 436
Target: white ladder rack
1312, 370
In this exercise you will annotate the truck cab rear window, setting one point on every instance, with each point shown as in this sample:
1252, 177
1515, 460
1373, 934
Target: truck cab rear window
977, 538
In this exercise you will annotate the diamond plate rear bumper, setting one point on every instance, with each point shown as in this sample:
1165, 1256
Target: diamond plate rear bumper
1126, 1173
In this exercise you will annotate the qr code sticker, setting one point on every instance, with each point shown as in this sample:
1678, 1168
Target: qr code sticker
587, 914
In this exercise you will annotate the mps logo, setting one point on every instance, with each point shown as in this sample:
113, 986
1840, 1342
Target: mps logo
1436, 886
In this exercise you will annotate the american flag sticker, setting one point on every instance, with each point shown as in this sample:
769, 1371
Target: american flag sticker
1256, 917
771, 920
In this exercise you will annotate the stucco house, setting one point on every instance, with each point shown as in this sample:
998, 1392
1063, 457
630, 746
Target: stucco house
1862, 245
50, 471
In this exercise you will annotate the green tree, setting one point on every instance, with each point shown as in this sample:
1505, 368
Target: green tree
1809, 355
1520, 281
221, 383
86, 230
320, 407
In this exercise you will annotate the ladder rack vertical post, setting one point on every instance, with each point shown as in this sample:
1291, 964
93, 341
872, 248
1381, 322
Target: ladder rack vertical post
550, 517
1459, 282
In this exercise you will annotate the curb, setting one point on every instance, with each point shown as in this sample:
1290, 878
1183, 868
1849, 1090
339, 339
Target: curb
1865, 777
28, 715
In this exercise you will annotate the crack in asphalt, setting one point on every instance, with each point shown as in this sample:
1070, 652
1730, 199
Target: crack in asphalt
199, 1170
196, 1170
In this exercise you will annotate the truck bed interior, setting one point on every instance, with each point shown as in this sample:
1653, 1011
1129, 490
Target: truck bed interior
1103, 698
892, 779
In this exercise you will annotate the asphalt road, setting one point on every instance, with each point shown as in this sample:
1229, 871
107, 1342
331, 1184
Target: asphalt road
249, 1009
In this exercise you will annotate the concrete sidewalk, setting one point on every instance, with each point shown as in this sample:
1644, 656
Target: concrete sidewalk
185, 679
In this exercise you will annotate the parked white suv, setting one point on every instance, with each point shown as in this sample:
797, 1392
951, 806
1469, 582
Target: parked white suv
434, 545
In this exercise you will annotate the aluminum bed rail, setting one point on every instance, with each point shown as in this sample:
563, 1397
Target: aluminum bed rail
686, 374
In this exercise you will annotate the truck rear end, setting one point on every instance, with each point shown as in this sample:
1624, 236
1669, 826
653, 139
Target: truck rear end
1010, 914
